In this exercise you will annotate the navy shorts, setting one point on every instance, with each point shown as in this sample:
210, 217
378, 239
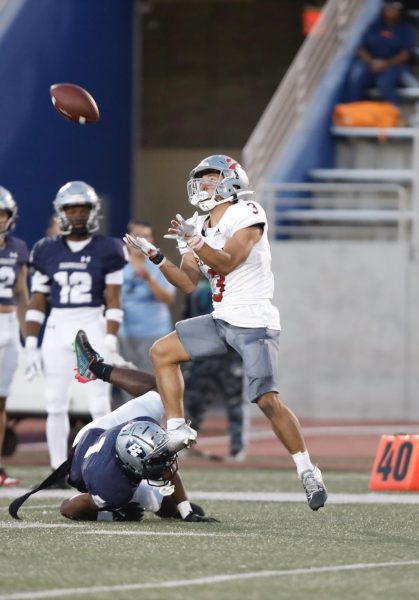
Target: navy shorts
258, 346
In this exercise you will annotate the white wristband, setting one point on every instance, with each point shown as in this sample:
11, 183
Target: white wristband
31, 342
184, 508
35, 315
111, 342
114, 314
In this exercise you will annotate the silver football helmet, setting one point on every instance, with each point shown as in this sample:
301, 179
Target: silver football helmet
232, 184
141, 447
8, 204
76, 193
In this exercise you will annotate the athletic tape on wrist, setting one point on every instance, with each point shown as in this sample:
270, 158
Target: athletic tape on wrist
35, 315
184, 508
114, 314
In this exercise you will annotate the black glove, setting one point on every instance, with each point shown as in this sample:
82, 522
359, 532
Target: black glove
195, 518
196, 509
129, 512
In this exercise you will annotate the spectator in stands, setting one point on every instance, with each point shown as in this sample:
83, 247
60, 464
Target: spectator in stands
146, 296
384, 56
215, 379
14, 295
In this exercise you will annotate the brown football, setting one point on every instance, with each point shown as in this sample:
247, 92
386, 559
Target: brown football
74, 103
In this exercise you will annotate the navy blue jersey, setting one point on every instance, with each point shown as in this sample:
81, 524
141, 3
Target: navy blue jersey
96, 469
12, 257
385, 41
75, 279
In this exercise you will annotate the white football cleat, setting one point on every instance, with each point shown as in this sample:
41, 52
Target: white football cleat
181, 437
314, 488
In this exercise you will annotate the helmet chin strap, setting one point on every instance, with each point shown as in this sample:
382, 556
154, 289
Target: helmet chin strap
79, 231
211, 203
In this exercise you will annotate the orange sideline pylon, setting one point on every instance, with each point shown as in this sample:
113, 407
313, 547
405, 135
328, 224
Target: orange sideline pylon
396, 464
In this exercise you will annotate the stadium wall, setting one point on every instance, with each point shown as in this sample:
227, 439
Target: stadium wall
350, 329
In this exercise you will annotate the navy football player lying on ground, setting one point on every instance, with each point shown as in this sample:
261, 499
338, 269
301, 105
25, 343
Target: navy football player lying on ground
121, 462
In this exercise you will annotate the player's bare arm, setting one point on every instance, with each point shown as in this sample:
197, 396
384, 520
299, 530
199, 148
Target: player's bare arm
22, 298
113, 301
38, 302
236, 250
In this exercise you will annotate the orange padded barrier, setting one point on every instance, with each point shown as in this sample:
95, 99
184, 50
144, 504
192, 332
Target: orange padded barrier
396, 465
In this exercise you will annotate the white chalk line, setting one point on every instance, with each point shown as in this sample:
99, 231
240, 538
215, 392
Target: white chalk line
210, 580
9, 525
338, 498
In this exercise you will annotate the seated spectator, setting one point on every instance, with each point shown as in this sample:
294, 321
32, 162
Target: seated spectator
384, 56
146, 296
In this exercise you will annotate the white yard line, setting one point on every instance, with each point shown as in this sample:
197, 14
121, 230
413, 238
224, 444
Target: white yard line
164, 533
59, 593
367, 498
25, 525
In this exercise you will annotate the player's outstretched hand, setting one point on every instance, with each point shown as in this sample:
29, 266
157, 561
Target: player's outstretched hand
140, 245
195, 518
186, 231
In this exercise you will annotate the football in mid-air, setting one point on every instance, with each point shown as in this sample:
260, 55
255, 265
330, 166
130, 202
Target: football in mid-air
74, 103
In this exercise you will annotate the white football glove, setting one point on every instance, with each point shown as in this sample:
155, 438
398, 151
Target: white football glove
141, 244
186, 231
114, 358
33, 358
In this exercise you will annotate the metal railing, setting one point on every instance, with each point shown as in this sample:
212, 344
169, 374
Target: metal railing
339, 211
285, 111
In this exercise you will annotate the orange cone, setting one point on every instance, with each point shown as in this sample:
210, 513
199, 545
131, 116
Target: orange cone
396, 464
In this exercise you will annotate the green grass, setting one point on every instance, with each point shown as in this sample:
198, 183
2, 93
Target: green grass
252, 538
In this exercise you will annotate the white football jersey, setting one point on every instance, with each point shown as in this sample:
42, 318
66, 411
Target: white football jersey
243, 297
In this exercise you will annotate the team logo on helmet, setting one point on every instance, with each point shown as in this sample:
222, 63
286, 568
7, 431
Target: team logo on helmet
141, 447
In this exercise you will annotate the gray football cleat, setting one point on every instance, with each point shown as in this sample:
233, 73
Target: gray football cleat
181, 437
314, 488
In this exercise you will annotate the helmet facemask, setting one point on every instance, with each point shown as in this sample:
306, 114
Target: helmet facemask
141, 447
77, 193
8, 204
232, 182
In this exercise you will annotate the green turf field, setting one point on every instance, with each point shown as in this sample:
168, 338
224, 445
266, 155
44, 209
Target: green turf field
261, 549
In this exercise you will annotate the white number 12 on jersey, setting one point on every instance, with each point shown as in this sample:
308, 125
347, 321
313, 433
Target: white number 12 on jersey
75, 287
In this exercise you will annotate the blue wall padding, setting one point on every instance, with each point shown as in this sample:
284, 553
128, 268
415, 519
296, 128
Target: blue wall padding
87, 42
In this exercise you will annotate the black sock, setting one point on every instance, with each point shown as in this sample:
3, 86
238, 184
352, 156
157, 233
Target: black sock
102, 370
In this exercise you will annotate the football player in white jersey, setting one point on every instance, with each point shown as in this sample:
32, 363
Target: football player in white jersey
228, 245
14, 257
77, 273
